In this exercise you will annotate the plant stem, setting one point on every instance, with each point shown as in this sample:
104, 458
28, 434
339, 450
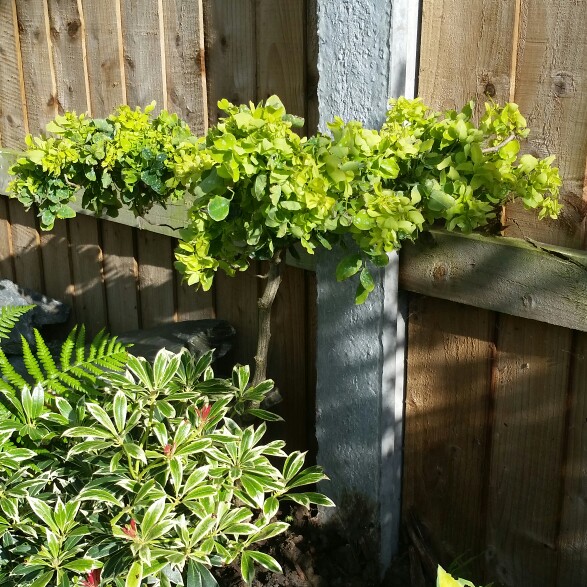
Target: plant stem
265, 303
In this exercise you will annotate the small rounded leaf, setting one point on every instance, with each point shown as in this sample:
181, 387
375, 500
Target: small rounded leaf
218, 208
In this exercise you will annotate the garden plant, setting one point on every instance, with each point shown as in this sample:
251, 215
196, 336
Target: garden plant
115, 471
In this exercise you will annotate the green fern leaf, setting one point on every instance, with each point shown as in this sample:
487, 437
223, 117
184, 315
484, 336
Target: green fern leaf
32, 365
80, 341
44, 355
9, 316
9, 374
67, 349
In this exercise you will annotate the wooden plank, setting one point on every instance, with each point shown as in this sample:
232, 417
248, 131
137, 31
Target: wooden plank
525, 490
236, 301
480, 34
86, 257
56, 264
229, 37
311, 329
120, 277
155, 279
104, 56
311, 42
572, 538
185, 62
142, 52
6, 260
12, 109
193, 304
551, 89
287, 358
68, 44
447, 418
39, 76
281, 52
530, 280
25, 247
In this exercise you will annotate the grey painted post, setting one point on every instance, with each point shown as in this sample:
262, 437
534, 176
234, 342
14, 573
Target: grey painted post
366, 53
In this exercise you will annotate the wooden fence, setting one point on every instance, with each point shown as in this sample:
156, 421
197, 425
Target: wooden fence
496, 414
93, 55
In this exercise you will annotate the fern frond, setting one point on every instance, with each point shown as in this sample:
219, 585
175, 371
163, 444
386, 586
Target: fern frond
80, 341
9, 374
67, 349
30, 362
44, 355
9, 316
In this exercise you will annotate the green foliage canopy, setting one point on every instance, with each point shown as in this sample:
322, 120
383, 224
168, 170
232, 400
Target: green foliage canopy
259, 189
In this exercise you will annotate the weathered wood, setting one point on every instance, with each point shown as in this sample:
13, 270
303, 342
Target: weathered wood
193, 304
6, 260
69, 55
551, 89
37, 63
530, 382
526, 279
287, 357
103, 52
572, 538
86, 257
311, 328
281, 52
447, 413
28, 269
142, 53
120, 277
155, 279
12, 106
231, 67
185, 63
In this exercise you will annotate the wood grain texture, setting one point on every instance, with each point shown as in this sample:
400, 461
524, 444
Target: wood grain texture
37, 64
551, 89
287, 357
311, 375
572, 538
186, 70
86, 260
281, 52
142, 52
6, 259
525, 489
120, 277
447, 415
12, 113
28, 269
193, 304
231, 63
530, 280
155, 279
465, 52
104, 65
56, 264
67, 38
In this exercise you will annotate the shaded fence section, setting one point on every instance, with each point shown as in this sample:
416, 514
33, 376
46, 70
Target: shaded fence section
93, 55
496, 412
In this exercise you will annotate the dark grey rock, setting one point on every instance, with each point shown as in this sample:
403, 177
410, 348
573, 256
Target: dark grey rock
198, 336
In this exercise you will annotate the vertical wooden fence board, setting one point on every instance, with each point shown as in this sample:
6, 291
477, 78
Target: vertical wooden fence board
155, 279
231, 70
86, 257
287, 360
193, 304
465, 51
67, 35
56, 264
311, 43
448, 408
572, 539
531, 378
36, 63
551, 89
311, 326
6, 260
186, 71
281, 52
104, 65
12, 123
25, 247
120, 277
236, 301
142, 52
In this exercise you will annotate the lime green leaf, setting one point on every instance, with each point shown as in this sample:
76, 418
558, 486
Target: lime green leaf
348, 267
218, 208
135, 575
